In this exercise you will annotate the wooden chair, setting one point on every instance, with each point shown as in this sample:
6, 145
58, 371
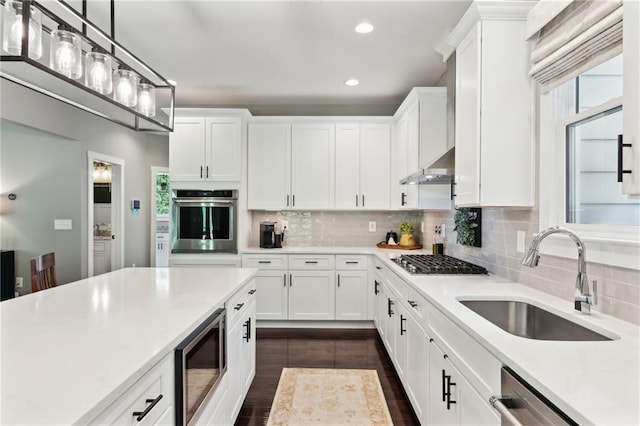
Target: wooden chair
43, 272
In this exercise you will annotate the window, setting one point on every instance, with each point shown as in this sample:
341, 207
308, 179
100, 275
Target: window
579, 127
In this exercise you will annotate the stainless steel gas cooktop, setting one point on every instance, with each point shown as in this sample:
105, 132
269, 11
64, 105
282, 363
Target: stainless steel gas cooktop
420, 264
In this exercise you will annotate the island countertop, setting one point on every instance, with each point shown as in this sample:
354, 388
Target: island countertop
68, 352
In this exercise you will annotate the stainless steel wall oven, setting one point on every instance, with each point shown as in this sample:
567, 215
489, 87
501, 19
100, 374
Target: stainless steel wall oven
204, 221
200, 364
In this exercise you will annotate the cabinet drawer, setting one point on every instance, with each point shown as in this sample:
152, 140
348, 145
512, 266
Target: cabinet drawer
476, 363
267, 261
157, 382
239, 302
398, 285
417, 306
311, 262
346, 262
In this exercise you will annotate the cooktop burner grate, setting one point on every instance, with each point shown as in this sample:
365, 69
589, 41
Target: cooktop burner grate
420, 264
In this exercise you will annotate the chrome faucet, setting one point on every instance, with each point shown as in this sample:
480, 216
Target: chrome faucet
582, 298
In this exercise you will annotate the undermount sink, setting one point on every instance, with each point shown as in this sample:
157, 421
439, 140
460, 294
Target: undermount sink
529, 321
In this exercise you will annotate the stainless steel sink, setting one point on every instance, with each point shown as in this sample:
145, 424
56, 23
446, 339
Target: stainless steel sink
526, 320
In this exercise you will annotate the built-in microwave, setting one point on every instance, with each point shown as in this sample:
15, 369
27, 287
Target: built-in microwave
200, 365
204, 221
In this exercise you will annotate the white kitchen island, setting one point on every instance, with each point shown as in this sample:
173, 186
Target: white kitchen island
70, 352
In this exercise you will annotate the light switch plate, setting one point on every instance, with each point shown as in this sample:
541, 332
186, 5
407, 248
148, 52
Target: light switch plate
62, 224
372, 226
18, 282
520, 239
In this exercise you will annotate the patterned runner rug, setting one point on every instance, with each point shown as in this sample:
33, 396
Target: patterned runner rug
334, 397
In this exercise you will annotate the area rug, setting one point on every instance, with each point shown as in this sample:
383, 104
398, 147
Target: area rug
323, 396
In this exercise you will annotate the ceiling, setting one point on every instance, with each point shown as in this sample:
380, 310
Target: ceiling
289, 57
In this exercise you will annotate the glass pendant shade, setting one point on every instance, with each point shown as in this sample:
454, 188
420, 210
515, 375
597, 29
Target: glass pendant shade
147, 99
13, 31
66, 53
125, 87
98, 75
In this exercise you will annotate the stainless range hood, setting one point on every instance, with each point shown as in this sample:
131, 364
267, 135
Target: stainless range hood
439, 172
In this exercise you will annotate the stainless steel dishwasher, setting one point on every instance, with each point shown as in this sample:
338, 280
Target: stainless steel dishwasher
520, 404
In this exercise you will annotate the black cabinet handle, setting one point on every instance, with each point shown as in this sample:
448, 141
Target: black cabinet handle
252, 291
312, 262
620, 169
338, 280
139, 415
431, 340
290, 280
362, 200
375, 287
412, 303
238, 306
352, 262
389, 305
207, 172
247, 324
200, 172
356, 200
293, 200
287, 200
378, 268
284, 279
264, 261
444, 386
453, 193
402, 320
402, 199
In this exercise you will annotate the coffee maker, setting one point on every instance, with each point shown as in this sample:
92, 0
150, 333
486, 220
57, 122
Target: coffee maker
268, 236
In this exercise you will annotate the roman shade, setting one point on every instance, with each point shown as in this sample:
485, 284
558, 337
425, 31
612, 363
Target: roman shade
572, 36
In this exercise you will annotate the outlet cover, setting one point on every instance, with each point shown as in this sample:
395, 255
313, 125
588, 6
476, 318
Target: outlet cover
372, 226
285, 224
443, 232
520, 238
422, 227
18, 282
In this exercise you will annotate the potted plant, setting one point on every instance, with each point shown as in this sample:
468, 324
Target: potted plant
467, 226
406, 234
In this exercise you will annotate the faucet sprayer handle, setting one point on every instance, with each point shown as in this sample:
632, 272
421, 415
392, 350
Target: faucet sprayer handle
594, 289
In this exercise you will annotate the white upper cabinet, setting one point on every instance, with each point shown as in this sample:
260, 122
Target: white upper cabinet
206, 149
631, 101
362, 166
420, 139
269, 166
312, 166
494, 133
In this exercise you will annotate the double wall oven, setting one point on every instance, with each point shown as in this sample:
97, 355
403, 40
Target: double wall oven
204, 221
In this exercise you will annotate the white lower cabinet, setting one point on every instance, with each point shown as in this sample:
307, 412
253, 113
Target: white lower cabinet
417, 367
312, 295
273, 295
241, 349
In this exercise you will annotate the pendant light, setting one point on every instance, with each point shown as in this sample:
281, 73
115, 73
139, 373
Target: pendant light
147, 99
125, 86
99, 73
13, 31
66, 52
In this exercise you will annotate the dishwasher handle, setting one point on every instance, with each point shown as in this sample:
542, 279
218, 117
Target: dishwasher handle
496, 402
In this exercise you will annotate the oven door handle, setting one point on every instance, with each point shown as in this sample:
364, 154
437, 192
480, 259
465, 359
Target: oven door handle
199, 201
496, 402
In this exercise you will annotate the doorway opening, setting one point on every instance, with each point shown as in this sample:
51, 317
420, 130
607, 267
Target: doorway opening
105, 207
160, 208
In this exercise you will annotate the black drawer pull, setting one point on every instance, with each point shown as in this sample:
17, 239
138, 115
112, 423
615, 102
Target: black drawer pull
252, 291
152, 403
264, 261
431, 340
285, 279
247, 336
338, 280
375, 287
412, 303
352, 262
402, 320
238, 306
313, 262
378, 268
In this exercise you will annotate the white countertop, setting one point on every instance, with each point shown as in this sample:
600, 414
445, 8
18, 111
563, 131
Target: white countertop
68, 352
592, 382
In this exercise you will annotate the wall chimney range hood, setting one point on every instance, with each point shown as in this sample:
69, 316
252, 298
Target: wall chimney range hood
439, 172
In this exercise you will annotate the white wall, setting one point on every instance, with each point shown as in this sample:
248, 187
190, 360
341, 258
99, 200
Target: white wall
59, 135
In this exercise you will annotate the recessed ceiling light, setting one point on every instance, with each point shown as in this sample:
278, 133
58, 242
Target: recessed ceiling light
364, 28
351, 82
172, 82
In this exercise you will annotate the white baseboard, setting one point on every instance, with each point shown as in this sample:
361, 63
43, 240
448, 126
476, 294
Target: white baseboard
313, 324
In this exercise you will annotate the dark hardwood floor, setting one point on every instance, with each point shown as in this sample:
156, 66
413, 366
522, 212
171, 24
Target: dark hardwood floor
312, 348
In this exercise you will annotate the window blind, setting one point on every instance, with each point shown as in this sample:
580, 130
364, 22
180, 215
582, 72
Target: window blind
582, 34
